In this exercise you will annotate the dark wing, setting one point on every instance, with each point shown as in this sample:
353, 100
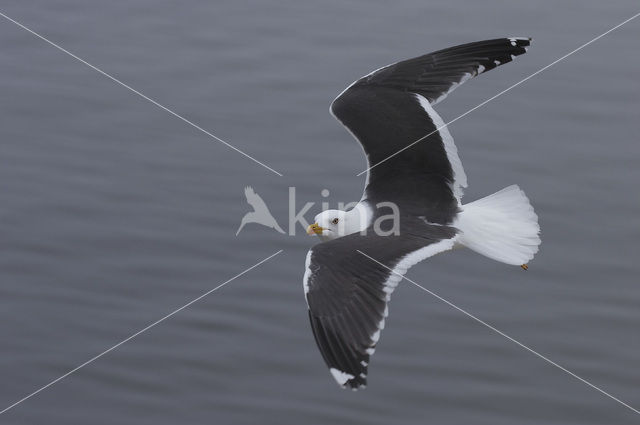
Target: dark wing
436, 74
390, 109
347, 291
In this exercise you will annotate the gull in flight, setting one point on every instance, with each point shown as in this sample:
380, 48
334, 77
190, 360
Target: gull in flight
350, 276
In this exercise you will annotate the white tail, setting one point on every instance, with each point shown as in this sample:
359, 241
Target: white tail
502, 226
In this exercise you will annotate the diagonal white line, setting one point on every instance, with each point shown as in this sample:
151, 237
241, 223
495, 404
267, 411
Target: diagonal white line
147, 98
498, 331
502, 92
137, 333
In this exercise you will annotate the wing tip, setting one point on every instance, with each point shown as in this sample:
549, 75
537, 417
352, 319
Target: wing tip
519, 46
346, 380
520, 38
522, 42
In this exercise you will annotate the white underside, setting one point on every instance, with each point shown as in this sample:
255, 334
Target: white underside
459, 176
412, 259
398, 272
502, 226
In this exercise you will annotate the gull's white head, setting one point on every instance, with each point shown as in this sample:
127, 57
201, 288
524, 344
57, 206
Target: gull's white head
332, 224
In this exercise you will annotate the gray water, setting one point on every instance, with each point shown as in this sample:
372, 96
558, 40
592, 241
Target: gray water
114, 213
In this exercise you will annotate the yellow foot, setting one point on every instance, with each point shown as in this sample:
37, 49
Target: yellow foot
524, 267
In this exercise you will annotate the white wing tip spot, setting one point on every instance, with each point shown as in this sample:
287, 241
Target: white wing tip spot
340, 376
376, 336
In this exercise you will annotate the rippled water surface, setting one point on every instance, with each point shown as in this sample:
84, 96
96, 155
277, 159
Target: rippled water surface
114, 213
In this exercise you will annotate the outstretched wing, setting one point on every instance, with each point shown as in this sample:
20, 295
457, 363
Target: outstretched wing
391, 108
347, 292
437, 74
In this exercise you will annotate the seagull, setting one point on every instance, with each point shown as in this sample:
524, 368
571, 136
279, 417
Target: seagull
350, 275
260, 213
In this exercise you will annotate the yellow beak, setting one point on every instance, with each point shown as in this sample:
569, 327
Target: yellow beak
314, 229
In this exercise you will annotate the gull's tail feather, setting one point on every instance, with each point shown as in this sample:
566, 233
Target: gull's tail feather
502, 226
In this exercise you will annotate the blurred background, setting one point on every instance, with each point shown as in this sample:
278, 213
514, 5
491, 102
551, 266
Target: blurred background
113, 213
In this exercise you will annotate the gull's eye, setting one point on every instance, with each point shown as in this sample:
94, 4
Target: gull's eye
334, 221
